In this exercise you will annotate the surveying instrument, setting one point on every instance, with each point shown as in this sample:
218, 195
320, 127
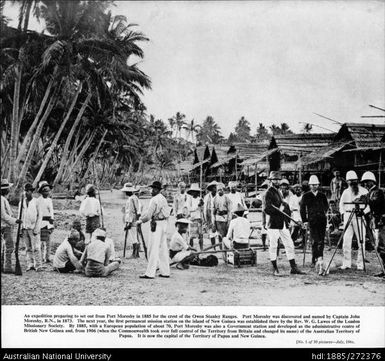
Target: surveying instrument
357, 215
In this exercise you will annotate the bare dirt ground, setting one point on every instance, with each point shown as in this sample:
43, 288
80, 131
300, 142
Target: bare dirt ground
221, 285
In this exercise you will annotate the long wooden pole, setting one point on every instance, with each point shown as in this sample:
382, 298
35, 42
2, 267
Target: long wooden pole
379, 169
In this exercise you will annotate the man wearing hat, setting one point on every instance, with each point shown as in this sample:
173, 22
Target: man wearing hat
376, 200
221, 212
158, 213
195, 205
7, 223
352, 194
239, 229
180, 251
46, 207
277, 224
65, 260
90, 209
235, 197
208, 216
97, 255
180, 204
132, 214
314, 207
32, 218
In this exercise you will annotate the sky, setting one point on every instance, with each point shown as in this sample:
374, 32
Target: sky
270, 61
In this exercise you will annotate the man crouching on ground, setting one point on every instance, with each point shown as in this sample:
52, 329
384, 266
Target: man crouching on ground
96, 257
180, 251
65, 260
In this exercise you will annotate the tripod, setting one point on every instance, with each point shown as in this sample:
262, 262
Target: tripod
361, 222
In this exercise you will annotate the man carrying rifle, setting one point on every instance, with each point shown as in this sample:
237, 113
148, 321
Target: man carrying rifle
376, 200
158, 213
277, 225
132, 214
314, 206
7, 223
221, 212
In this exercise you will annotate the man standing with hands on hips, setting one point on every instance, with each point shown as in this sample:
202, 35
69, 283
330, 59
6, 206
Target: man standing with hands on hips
158, 212
277, 225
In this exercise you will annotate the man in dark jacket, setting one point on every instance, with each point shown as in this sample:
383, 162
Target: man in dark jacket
376, 200
314, 206
278, 224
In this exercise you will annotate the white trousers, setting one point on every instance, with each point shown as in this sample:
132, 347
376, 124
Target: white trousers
133, 235
180, 256
157, 251
284, 235
347, 243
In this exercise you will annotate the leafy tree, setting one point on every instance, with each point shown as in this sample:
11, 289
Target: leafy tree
242, 130
210, 132
262, 132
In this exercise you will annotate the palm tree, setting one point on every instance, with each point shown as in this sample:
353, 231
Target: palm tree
192, 130
210, 132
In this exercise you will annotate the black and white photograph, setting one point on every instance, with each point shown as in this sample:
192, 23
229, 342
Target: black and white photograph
192, 153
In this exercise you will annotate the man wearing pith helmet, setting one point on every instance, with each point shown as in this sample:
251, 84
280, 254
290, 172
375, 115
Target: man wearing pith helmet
314, 206
353, 193
376, 200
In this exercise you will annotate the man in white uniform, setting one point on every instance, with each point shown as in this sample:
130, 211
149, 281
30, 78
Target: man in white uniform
195, 206
158, 212
181, 202
353, 193
46, 206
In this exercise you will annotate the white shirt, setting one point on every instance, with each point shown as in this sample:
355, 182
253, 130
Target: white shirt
294, 204
158, 208
239, 230
236, 198
97, 251
90, 207
221, 204
132, 210
348, 197
208, 206
63, 254
177, 243
181, 204
31, 216
193, 206
46, 207
7, 218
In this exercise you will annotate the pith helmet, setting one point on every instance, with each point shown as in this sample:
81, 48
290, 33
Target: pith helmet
351, 175
368, 176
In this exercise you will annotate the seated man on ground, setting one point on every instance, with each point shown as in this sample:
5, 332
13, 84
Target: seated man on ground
108, 241
65, 260
96, 257
239, 230
180, 252
81, 244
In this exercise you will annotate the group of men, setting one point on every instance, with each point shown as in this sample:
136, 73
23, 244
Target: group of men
221, 215
36, 217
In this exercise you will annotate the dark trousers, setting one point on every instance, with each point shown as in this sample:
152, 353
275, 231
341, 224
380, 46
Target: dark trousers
69, 267
295, 232
381, 243
317, 235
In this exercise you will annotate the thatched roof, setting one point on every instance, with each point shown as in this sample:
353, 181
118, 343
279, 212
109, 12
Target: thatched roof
299, 143
363, 135
327, 152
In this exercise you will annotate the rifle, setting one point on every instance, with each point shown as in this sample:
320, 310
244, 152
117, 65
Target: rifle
139, 230
125, 241
101, 208
18, 271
